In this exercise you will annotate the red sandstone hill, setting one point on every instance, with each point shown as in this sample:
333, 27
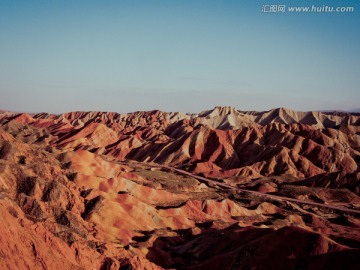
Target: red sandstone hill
220, 142
96, 190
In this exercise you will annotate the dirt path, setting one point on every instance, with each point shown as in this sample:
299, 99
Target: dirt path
257, 193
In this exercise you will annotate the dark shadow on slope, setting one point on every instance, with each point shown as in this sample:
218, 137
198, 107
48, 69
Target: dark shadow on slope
253, 248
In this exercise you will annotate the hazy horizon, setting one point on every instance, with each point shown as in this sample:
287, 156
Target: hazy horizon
355, 111
188, 56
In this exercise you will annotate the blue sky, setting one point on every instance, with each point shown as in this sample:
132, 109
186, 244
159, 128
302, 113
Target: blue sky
176, 55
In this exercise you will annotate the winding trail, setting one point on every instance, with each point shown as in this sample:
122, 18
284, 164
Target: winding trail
257, 193
237, 189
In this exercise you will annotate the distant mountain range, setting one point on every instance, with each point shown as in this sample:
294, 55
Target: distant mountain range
223, 141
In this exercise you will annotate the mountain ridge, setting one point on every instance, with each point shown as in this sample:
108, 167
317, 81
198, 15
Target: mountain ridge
218, 142
277, 115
